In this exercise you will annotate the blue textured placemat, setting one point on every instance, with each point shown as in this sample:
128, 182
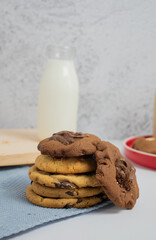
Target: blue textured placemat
17, 213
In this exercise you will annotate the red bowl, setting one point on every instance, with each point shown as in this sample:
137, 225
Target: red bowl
141, 158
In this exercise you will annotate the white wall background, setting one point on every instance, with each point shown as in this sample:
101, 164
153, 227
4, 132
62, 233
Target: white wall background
116, 61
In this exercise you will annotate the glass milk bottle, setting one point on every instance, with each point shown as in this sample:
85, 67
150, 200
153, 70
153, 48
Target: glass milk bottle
58, 93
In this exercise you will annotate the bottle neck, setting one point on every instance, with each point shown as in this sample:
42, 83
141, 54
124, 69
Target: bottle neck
61, 53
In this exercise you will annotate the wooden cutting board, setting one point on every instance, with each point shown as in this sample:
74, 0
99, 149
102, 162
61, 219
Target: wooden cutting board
18, 146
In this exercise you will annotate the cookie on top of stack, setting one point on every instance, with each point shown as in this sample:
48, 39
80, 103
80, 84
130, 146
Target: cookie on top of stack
64, 174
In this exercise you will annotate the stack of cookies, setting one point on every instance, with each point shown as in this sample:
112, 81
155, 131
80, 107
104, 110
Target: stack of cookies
64, 174
79, 170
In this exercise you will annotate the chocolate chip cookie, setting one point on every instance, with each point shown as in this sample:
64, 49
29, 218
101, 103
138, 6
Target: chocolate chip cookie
63, 202
66, 165
65, 193
69, 144
145, 144
116, 175
63, 180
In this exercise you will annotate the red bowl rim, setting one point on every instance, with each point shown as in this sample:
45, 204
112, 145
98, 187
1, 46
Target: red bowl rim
134, 150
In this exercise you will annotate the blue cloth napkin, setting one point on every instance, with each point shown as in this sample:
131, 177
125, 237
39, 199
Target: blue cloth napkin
17, 213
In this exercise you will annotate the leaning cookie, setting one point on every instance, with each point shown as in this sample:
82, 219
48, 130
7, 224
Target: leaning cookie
69, 181
66, 165
63, 203
65, 193
69, 144
116, 175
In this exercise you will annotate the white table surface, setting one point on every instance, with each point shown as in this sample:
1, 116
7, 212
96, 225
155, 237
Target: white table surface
109, 222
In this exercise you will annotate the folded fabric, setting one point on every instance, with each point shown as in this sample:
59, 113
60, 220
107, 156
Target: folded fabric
17, 213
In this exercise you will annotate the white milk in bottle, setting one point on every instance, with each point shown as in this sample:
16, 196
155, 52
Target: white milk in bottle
58, 94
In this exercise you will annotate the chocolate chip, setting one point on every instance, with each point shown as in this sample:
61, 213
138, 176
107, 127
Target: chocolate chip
68, 205
65, 184
124, 163
79, 200
66, 137
124, 174
70, 193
